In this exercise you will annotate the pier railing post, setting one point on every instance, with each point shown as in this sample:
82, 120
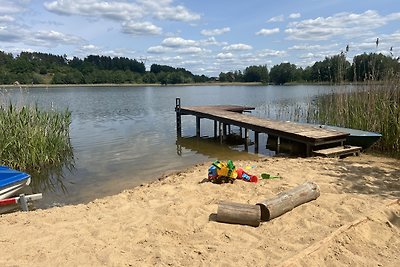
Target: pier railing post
178, 117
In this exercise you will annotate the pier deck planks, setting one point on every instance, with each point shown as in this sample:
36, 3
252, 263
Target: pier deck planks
232, 115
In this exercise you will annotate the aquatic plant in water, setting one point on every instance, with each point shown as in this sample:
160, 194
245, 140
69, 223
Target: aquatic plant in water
37, 142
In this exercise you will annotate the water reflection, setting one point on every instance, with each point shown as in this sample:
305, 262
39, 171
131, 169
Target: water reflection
213, 148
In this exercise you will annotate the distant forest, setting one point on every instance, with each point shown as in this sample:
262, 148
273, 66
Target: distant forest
42, 68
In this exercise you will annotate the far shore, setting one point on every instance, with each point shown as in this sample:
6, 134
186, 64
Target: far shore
173, 85
130, 85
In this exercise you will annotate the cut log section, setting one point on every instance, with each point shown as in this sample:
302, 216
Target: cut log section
246, 214
286, 201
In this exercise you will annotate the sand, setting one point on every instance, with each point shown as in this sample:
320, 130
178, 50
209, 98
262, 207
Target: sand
354, 222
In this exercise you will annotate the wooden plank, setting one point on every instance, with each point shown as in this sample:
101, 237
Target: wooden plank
289, 130
338, 151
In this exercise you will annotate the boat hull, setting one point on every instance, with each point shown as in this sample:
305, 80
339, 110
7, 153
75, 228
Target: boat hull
12, 182
359, 138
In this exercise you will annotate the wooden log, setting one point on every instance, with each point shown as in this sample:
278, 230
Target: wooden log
246, 214
286, 201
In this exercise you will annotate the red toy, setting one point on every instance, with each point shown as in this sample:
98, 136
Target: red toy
245, 176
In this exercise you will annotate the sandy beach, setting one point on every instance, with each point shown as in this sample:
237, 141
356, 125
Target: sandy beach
354, 222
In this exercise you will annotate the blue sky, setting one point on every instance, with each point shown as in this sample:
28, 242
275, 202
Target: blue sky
203, 36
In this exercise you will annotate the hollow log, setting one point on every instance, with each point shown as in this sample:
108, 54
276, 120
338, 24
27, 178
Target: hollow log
286, 201
237, 213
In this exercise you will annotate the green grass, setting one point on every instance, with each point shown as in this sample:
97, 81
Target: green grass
37, 142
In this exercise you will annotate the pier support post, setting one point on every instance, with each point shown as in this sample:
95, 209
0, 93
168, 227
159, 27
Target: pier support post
256, 142
178, 117
278, 144
197, 126
215, 129
246, 139
221, 132
224, 129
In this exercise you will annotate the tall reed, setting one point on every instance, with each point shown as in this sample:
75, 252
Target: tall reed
36, 141
370, 107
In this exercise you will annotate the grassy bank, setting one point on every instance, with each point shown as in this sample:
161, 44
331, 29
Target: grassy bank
35, 141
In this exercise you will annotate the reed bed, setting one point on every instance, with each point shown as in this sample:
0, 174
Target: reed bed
36, 141
370, 107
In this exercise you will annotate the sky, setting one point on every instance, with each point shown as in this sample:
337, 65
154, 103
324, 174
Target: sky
203, 36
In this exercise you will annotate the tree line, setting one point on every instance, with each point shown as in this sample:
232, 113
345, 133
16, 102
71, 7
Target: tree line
335, 69
43, 68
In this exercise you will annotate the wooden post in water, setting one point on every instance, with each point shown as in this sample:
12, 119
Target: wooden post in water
256, 142
215, 129
178, 117
224, 129
221, 132
278, 144
246, 139
197, 126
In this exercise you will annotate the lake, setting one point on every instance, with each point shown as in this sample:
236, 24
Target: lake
125, 136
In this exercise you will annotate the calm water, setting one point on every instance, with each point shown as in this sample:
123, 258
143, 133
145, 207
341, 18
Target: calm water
124, 136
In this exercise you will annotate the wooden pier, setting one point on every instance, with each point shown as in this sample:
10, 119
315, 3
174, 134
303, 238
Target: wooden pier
224, 116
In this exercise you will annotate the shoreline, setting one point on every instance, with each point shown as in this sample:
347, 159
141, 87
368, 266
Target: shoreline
169, 221
25, 86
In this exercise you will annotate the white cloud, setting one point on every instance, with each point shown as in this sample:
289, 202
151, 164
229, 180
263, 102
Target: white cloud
279, 18
6, 18
178, 42
89, 49
266, 32
13, 6
117, 10
211, 41
341, 24
140, 28
14, 34
272, 53
294, 16
178, 13
225, 56
237, 47
159, 49
50, 38
190, 50
123, 10
11, 34
215, 32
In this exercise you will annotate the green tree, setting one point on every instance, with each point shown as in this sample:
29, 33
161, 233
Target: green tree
256, 74
283, 73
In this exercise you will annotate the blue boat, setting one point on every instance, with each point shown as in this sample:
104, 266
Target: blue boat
12, 182
356, 137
